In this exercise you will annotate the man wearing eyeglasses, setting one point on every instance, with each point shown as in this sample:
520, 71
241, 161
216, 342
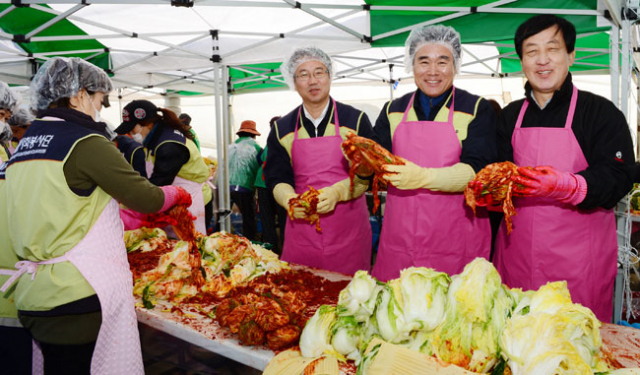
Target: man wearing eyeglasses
304, 150
445, 135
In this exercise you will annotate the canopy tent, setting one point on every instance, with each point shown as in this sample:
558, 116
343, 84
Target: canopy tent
223, 47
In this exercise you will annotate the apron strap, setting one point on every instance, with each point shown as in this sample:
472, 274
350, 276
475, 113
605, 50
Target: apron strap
451, 110
337, 122
453, 101
523, 109
406, 111
572, 108
295, 131
27, 266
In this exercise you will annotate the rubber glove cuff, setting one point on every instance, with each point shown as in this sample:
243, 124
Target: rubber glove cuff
174, 195
579, 193
282, 193
409, 176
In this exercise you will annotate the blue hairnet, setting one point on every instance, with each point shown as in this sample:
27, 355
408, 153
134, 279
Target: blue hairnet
435, 34
300, 56
63, 77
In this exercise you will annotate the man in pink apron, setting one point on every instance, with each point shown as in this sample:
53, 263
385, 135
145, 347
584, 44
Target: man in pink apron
304, 150
580, 146
445, 135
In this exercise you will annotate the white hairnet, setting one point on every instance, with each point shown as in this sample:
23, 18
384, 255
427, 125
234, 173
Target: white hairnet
21, 117
8, 98
300, 56
5, 132
63, 77
435, 34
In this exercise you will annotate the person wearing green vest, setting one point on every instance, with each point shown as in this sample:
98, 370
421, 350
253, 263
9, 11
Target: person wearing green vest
268, 207
243, 169
445, 135
172, 157
186, 120
61, 236
8, 105
19, 122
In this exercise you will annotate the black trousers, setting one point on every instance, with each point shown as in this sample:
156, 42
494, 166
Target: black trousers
247, 205
15, 350
67, 359
271, 213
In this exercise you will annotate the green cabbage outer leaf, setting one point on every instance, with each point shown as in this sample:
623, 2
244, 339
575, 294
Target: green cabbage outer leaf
420, 341
143, 239
359, 298
363, 368
478, 306
389, 314
315, 338
346, 337
424, 293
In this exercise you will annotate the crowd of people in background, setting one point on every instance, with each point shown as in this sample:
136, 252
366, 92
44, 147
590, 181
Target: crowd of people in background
67, 193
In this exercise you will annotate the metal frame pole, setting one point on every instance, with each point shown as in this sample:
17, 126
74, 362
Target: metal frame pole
223, 170
226, 127
625, 75
615, 64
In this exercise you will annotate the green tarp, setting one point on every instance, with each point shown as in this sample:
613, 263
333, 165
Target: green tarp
21, 21
490, 27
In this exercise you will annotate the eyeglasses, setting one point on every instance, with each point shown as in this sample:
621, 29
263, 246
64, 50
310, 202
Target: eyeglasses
317, 74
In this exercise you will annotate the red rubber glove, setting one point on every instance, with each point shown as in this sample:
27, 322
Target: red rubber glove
174, 195
548, 182
161, 220
484, 200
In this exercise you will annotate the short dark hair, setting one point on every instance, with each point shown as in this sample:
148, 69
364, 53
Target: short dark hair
246, 134
541, 22
185, 118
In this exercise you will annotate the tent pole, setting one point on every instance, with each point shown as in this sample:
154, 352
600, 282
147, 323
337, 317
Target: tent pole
391, 83
226, 130
615, 64
626, 68
223, 187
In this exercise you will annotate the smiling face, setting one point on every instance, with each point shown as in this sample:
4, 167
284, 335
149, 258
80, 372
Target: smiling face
546, 62
312, 90
434, 69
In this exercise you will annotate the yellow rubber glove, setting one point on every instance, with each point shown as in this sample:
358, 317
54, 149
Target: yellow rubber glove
282, 193
340, 192
410, 176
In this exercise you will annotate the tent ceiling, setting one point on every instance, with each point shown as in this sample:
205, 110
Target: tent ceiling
151, 45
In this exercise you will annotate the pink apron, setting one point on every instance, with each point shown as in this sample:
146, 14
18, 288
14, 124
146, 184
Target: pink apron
102, 259
344, 245
424, 228
554, 241
197, 200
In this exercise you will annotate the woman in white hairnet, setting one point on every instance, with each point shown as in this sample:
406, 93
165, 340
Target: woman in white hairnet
445, 135
71, 283
8, 105
304, 150
19, 122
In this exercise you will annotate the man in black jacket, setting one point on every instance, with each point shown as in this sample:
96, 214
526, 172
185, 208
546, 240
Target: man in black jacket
581, 150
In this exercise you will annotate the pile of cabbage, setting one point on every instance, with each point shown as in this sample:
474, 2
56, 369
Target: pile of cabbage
227, 261
471, 320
